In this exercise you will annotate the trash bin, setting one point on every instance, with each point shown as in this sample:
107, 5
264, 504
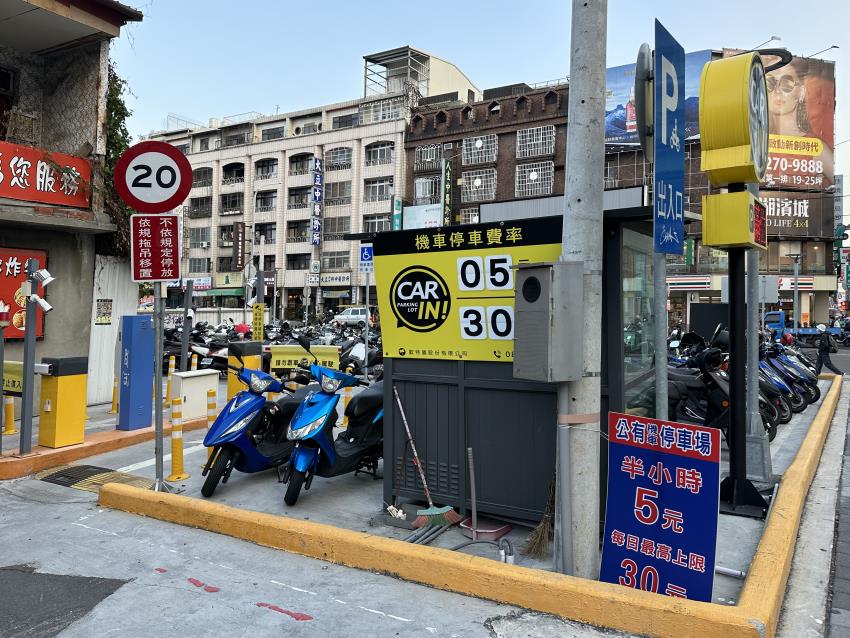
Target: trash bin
63, 402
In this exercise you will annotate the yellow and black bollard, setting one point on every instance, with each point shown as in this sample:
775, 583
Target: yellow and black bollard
178, 472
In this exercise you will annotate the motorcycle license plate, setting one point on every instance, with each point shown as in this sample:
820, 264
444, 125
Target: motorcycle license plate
206, 361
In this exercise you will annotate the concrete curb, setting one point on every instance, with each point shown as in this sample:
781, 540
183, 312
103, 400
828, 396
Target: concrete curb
44, 458
592, 602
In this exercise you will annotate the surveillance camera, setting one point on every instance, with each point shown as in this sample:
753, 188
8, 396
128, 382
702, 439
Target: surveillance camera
44, 276
42, 303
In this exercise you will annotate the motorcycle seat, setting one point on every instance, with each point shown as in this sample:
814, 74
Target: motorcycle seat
368, 400
687, 381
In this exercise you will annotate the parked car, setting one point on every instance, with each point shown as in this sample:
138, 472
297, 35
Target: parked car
353, 316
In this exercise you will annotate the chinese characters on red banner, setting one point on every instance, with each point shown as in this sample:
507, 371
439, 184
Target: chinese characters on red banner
155, 247
13, 263
36, 175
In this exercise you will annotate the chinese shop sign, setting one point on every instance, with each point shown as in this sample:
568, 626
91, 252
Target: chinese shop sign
37, 175
13, 266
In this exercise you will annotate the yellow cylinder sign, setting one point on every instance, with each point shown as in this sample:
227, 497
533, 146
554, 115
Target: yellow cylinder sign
258, 311
733, 120
448, 293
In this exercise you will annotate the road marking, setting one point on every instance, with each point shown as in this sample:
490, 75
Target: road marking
371, 611
399, 618
304, 591
96, 529
167, 457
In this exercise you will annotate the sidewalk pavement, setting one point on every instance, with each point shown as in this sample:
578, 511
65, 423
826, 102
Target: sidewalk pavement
838, 616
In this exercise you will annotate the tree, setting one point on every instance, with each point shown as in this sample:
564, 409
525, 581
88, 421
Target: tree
117, 141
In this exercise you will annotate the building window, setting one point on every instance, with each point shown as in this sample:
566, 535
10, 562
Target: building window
479, 150
202, 177
379, 153
224, 264
377, 223
338, 159
479, 186
297, 231
205, 143
535, 179
266, 201
345, 121
265, 169
200, 207
469, 216
298, 261
427, 158
183, 148
377, 190
300, 164
426, 190
199, 264
269, 231
199, 236
275, 133
335, 227
234, 139
814, 257
337, 193
233, 174
339, 260
225, 236
531, 142
231, 203
299, 198
381, 110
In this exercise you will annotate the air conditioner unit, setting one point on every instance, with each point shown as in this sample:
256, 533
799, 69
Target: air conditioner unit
205, 244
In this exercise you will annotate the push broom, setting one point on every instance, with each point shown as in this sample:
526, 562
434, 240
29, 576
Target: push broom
433, 515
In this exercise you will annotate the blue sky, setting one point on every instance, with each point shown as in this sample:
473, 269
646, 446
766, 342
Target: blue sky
213, 58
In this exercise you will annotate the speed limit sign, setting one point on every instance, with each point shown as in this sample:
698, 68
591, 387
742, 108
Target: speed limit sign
153, 177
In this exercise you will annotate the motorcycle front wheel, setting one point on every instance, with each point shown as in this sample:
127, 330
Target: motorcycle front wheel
216, 471
293, 488
785, 413
798, 402
814, 393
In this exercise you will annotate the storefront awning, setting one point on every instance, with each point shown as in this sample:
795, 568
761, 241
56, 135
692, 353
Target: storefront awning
221, 292
335, 294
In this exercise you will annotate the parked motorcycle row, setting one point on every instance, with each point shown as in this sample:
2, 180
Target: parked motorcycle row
288, 424
698, 381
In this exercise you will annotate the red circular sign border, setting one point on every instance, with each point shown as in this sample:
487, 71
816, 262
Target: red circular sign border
151, 146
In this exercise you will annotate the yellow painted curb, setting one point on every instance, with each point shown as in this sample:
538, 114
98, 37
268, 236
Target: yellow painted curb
592, 602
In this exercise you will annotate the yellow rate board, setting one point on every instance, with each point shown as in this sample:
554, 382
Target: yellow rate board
448, 293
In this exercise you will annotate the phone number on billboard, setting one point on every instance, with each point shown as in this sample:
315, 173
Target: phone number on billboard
797, 165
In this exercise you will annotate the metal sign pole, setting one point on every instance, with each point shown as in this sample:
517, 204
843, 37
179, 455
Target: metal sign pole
159, 485
368, 316
187, 326
28, 375
659, 276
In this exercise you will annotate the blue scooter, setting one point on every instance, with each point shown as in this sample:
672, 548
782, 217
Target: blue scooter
358, 448
249, 434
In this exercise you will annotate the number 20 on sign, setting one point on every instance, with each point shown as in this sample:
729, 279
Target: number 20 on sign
661, 516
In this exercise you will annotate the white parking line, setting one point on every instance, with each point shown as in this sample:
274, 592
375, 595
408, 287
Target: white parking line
167, 457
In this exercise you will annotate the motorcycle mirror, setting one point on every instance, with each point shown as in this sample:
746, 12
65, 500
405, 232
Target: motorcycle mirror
238, 357
674, 344
304, 342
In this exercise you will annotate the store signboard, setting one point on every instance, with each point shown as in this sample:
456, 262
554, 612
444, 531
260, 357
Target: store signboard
335, 279
662, 511
13, 264
798, 214
449, 293
37, 175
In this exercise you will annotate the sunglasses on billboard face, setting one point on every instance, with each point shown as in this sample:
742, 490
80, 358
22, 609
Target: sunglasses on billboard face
786, 84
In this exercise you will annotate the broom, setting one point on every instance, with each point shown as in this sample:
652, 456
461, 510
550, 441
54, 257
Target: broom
432, 515
538, 541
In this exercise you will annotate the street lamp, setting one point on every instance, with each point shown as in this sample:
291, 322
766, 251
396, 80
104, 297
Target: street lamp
793, 249
772, 38
811, 55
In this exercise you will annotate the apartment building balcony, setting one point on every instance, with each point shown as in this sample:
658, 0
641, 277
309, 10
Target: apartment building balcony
267, 177
339, 166
232, 183
384, 169
376, 206
300, 178
294, 278
427, 167
338, 201
224, 243
226, 212
200, 213
433, 199
266, 215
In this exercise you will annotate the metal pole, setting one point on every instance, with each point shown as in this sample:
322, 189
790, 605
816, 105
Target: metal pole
159, 485
581, 241
758, 446
737, 369
28, 375
368, 316
659, 278
796, 292
187, 326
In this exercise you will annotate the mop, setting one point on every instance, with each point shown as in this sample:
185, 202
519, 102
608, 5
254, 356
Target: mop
433, 515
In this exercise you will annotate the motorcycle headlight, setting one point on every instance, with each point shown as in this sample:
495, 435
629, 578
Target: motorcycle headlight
329, 384
241, 423
306, 430
258, 385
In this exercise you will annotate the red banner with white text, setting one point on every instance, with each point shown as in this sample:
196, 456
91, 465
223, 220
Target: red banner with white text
37, 175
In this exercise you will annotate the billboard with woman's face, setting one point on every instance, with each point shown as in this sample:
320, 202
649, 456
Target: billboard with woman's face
801, 103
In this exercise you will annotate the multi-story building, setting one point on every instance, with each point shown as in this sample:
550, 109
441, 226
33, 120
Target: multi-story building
258, 170
509, 146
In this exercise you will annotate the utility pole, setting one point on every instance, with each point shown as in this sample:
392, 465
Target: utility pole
28, 376
581, 241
